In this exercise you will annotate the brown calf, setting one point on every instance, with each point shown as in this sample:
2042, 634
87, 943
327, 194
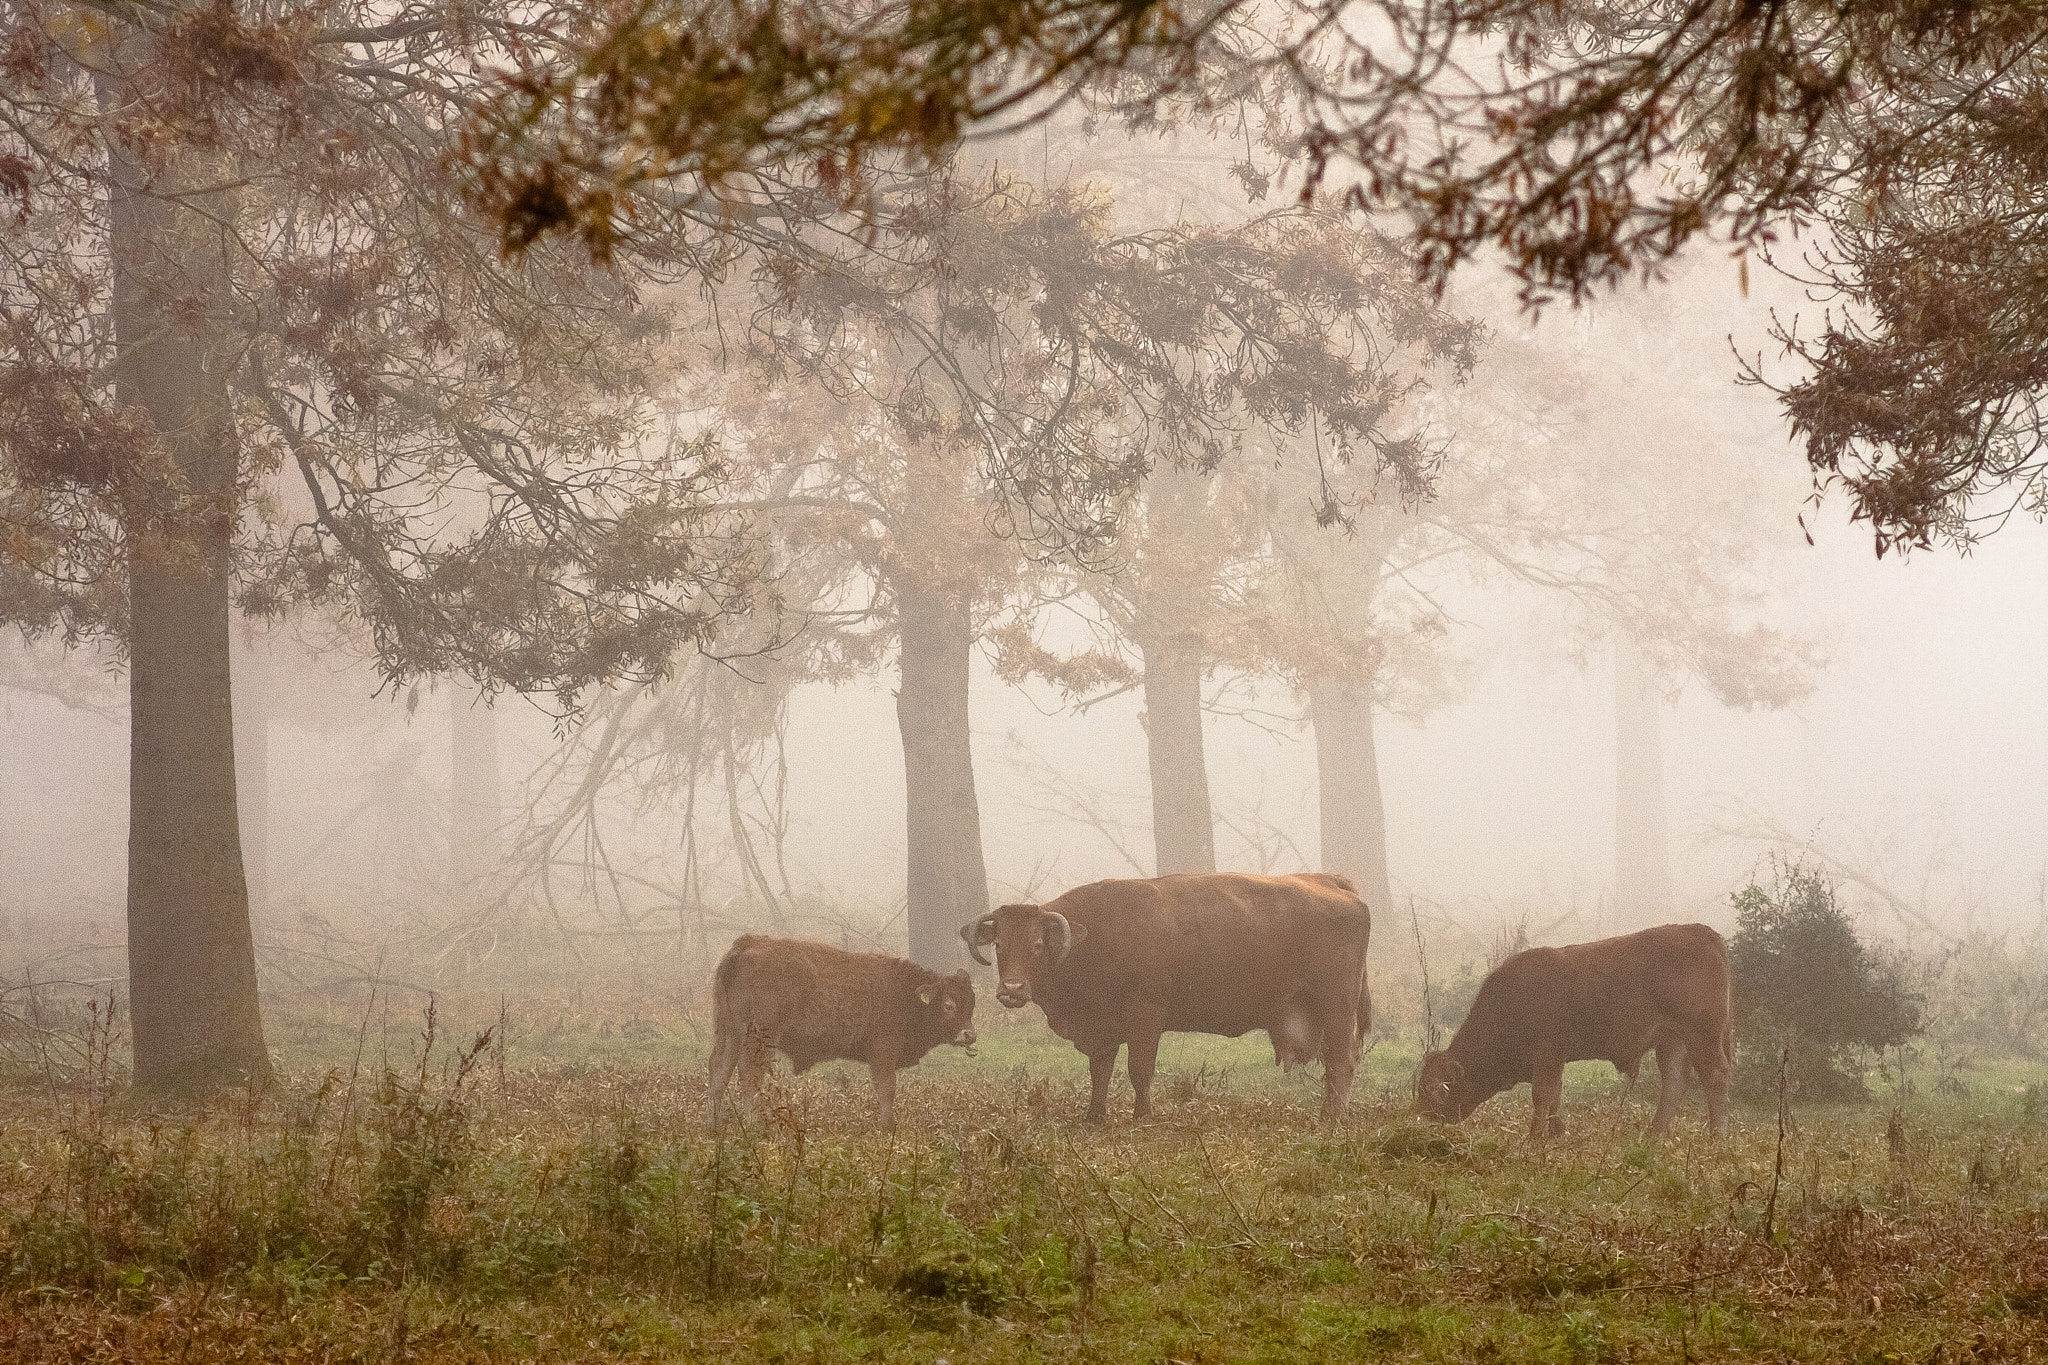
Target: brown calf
813, 1003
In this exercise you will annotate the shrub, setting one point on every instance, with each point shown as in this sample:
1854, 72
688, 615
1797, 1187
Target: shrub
1803, 980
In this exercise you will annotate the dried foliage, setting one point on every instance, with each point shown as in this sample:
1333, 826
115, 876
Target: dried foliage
1584, 142
474, 460
508, 1202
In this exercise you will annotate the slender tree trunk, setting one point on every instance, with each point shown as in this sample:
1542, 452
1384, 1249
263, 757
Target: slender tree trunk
476, 814
251, 679
1183, 828
948, 881
1354, 818
1642, 836
191, 961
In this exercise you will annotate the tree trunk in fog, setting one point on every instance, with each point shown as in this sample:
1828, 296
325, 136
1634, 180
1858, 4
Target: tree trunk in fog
1354, 819
948, 881
250, 675
1642, 837
1183, 830
1168, 632
191, 962
475, 816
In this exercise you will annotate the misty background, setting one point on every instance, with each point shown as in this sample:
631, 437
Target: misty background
1916, 761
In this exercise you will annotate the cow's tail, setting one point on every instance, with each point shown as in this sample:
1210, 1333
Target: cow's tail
722, 977
1362, 1022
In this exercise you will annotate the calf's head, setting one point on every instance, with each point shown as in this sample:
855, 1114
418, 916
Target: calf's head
1029, 940
1443, 1091
945, 1011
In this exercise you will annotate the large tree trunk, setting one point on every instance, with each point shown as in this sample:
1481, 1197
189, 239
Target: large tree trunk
1354, 818
251, 681
1642, 836
948, 881
476, 816
1183, 829
191, 962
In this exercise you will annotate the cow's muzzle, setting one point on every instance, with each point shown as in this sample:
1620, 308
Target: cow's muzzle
964, 1038
1014, 994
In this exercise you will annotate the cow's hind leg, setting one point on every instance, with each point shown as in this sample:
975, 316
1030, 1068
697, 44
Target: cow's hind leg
1141, 1061
756, 1052
1670, 1084
1101, 1069
1709, 1056
1340, 1056
1546, 1096
724, 1055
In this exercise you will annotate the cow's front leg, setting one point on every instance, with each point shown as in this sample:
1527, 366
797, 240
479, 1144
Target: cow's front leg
884, 1076
1546, 1095
1670, 1085
1101, 1069
1142, 1060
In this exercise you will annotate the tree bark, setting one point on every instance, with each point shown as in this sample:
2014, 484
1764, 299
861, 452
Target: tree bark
1178, 568
1183, 828
191, 960
1642, 836
476, 815
948, 881
1354, 817
250, 677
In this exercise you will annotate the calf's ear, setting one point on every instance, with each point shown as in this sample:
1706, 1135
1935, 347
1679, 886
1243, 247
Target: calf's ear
925, 993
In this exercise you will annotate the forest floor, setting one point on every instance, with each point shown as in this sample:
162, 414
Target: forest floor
556, 1197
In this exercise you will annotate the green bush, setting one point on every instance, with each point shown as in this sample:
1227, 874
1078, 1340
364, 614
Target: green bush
1804, 981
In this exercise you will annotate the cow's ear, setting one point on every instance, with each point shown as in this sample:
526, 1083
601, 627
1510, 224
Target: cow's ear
1079, 932
1456, 1070
925, 993
963, 978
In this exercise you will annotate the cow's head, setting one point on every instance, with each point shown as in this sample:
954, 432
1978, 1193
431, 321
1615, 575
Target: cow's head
945, 1011
1028, 939
1443, 1091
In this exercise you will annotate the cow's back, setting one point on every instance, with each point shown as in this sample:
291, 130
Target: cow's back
1220, 949
1603, 1000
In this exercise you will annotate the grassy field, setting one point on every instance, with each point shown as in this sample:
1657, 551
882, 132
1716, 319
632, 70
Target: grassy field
552, 1195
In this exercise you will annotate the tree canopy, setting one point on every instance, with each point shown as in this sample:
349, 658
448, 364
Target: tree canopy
1583, 142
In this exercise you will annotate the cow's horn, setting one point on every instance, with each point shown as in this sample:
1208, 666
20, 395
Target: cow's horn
976, 933
1066, 940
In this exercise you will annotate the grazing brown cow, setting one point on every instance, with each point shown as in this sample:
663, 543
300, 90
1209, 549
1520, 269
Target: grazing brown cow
814, 1003
1124, 961
1664, 990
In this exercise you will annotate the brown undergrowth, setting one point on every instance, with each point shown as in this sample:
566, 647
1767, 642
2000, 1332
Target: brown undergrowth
445, 1203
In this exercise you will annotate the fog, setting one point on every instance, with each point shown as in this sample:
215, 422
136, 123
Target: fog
1916, 760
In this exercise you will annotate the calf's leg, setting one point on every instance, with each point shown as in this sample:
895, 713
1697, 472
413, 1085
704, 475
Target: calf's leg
755, 1054
884, 1076
724, 1053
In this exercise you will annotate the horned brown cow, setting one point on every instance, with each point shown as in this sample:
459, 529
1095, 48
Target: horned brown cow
1663, 990
1119, 962
814, 1002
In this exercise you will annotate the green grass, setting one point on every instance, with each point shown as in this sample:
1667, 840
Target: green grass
561, 1201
